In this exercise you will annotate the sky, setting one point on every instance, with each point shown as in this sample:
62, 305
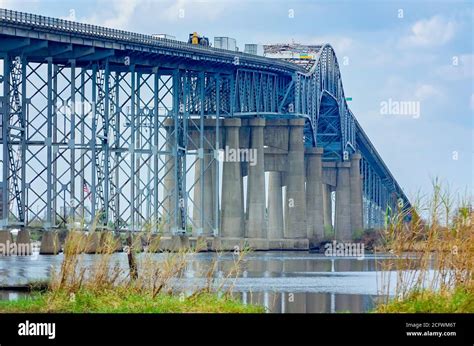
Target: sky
393, 51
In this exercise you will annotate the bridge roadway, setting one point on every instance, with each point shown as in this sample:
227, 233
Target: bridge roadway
126, 129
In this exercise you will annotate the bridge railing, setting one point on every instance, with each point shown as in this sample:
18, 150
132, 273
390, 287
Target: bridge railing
75, 27
46, 23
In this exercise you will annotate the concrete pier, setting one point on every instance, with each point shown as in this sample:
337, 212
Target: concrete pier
256, 182
295, 204
357, 223
297, 220
314, 195
327, 207
93, 243
204, 200
275, 206
169, 187
232, 225
343, 225
49, 243
6, 240
23, 242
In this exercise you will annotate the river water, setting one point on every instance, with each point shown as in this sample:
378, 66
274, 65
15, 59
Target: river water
284, 282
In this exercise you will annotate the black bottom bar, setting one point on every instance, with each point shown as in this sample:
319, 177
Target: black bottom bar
268, 329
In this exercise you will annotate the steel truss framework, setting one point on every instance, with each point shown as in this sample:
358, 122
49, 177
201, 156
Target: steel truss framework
319, 96
97, 123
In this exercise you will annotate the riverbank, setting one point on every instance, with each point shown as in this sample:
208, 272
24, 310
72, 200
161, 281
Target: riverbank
460, 300
124, 300
283, 282
146, 285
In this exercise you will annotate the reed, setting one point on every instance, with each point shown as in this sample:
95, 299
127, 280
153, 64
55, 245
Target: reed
151, 276
432, 253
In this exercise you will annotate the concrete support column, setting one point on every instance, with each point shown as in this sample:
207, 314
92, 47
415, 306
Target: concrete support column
327, 207
205, 226
23, 242
256, 182
295, 203
314, 195
343, 202
275, 206
169, 186
49, 243
197, 206
232, 225
6, 240
215, 199
356, 194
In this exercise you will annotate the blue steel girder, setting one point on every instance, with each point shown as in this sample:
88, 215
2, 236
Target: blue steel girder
258, 92
329, 133
13, 138
379, 184
311, 90
319, 95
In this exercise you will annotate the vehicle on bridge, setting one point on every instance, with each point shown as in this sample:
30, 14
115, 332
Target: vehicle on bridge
196, 39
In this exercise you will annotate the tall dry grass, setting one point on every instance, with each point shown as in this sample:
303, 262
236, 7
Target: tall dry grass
151, 274
434, 251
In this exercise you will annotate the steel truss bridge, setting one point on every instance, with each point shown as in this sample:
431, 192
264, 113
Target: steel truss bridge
97, 122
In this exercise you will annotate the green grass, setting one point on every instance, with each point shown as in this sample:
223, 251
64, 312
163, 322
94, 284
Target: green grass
125, 301
104, 287
460, 300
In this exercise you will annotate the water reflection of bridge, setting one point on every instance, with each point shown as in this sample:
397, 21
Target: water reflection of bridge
282, 282
298, 301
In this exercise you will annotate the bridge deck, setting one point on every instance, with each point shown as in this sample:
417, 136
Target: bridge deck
31, 26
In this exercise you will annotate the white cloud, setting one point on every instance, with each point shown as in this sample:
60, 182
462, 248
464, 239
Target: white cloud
125, 14
435, 31
116, 14
389, 57
400, 88
341, 44
16, 5
209, 10
172, 12
425, 91
124, 10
